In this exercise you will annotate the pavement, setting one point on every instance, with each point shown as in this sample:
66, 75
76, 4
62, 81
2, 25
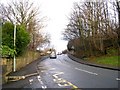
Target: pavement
27, 71
92, 64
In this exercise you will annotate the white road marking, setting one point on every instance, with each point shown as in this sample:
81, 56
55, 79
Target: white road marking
58, 73
42, 71
86, 71
30, 80
62, 82
41, 82
39, 79
54, 80
60, 85
117, 79
44, 87
55, 76
52, 69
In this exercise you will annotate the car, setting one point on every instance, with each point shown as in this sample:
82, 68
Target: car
53, 55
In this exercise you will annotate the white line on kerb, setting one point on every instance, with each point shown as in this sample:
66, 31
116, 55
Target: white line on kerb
86, 71
31, 74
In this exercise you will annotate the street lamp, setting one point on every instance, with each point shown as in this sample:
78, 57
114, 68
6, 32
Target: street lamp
14, 62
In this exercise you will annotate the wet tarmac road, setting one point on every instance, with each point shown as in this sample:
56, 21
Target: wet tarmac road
63, 72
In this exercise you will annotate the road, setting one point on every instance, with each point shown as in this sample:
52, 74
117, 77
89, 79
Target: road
63, 72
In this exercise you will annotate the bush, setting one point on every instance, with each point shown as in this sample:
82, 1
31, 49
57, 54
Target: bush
7, 52
22, 37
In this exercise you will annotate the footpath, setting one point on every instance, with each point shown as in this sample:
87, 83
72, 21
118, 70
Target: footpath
27, 71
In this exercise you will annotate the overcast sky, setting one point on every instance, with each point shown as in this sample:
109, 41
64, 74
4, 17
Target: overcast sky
56, 12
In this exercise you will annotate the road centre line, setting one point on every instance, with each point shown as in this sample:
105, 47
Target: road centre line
86, 71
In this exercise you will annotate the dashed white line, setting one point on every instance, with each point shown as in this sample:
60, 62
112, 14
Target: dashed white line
86, 71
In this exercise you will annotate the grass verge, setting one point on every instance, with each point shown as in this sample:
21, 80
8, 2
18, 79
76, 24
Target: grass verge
112, 61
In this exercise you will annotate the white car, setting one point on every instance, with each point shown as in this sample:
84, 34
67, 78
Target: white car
53, 55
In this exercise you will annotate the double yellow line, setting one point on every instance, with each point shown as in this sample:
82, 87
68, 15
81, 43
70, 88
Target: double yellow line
63, 82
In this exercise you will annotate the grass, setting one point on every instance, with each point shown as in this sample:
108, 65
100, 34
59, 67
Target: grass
105, 60
111, 59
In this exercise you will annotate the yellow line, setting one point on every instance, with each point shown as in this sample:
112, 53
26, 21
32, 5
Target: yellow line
72, 85
61, 80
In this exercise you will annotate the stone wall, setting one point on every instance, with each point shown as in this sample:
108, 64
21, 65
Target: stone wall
7, 64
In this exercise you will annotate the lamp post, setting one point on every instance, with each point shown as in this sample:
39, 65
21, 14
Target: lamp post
14, 62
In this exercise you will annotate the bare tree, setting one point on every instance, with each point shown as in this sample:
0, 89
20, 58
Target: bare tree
91, 22
27, 14
118, 10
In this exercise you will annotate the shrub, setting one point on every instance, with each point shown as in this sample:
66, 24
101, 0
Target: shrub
22, 37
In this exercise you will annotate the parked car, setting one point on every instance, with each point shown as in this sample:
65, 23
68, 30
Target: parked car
53, 55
